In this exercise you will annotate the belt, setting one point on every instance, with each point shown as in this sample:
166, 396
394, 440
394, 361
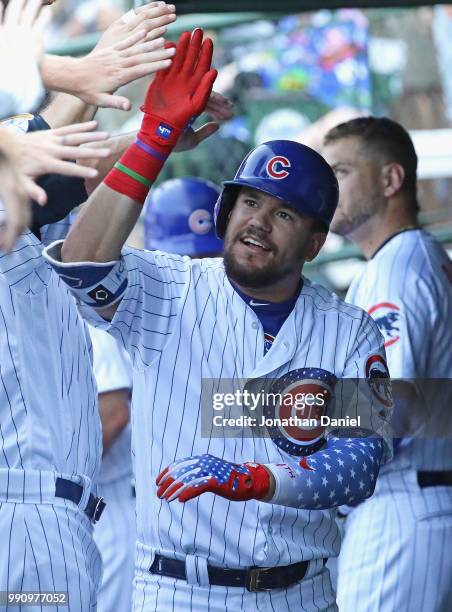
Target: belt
71, 490
434, 479
251, 578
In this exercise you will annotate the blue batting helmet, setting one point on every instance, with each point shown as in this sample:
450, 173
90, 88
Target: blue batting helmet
286, 170
179, 217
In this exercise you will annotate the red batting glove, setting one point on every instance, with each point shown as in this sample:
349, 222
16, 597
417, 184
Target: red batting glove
187, 478
182, 90
173, 98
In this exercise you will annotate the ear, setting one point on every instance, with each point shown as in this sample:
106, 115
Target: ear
316, 242
393, 176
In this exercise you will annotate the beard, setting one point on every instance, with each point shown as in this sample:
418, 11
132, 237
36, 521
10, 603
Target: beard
263, 277
345, 224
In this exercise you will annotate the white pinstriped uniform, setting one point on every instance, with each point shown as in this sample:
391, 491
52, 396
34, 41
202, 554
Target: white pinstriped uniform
115, 535
49, 427
182, 321
396, 553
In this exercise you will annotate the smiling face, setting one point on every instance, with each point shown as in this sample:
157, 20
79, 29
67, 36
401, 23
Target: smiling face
267, 243
361, 194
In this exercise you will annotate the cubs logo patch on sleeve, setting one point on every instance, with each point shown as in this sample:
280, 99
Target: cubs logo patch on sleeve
386, 315
377, 376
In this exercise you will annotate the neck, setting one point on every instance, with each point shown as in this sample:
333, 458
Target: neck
376, 231
278, 292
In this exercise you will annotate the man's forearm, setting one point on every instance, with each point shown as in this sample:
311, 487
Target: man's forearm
102, 227
65, 109
114, 415
344, 472
61, 73
117, 145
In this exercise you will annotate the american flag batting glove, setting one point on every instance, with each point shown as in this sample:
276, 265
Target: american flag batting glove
187, 478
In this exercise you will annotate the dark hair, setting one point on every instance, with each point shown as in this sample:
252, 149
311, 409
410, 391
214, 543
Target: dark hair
319, 226
387, 138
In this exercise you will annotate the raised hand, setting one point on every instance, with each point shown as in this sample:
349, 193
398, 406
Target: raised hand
183, 90
47, 151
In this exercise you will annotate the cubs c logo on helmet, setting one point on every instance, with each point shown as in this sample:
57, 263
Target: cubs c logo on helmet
200, 221
276, 167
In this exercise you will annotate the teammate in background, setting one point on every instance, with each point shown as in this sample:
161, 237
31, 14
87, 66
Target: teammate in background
50, 435
251, 317
396, 553
115, 537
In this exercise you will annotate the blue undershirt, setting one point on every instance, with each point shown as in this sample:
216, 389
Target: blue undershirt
271, 314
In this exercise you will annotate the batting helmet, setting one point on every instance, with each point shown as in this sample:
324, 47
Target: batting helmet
286, 170
179, 217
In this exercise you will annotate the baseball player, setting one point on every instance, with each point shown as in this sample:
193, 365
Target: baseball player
115, 537
395, 554
241, 522
50, 438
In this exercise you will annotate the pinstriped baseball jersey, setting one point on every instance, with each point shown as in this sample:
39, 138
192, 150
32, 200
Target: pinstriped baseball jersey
395, 553
115, 535
407, 288
48, 395
182, 322
112, 370
49, 427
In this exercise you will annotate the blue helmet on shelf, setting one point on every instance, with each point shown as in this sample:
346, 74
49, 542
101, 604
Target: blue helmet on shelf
179, 217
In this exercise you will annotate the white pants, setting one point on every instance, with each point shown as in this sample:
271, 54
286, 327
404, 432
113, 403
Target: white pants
396, 553
49, 547
160, 593
115, 537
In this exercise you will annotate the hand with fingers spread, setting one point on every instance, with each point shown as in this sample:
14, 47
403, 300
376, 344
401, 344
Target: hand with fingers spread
175, 96
150, 18
22, 26
187, 478
183, 90
48, 151
130, 51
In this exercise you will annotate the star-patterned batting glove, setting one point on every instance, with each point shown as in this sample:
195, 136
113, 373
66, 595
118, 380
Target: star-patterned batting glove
187, 478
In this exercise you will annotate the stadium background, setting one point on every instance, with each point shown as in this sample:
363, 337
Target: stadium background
285, 70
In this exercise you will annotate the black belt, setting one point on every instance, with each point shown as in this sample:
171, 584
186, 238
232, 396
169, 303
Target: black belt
73, 491
434, 479
252, 578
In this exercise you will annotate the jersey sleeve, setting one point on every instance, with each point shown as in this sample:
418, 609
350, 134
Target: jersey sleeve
146, 316
111, 364
364, 392
405, 323
23, 268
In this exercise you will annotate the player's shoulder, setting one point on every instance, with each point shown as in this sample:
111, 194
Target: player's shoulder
410, 252
412, 262
173, 268
144, 260
324, 299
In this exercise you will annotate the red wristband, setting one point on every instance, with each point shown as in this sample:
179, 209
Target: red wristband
137, 169
261, 480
